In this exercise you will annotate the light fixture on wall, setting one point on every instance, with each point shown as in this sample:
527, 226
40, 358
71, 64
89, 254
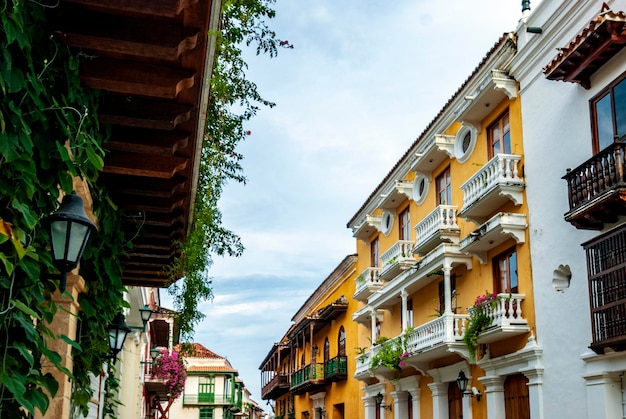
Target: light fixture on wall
379, 401
154, 354
117, 334
69, 229
146, 313
306, 414
461, 382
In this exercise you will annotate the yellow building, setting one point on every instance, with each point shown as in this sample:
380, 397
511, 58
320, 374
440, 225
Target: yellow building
446, 230
308, 373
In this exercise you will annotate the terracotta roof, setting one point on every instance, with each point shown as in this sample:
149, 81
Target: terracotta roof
211, 368
199, 351
504, 39
590, 49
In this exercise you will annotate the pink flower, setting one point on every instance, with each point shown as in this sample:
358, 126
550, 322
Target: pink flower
171, 368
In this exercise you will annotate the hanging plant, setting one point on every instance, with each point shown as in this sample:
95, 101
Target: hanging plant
480, 318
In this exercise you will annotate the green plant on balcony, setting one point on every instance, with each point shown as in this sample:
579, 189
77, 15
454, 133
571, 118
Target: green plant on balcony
480, 318
361, 278
393, 352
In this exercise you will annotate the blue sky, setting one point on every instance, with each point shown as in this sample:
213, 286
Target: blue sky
363, 81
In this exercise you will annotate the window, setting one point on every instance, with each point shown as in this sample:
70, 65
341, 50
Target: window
505, 266
409, 313
206, 389
500, 136
444, 190
206, 413
341, 342
608, 114
387, 222
420, 189
464, 143
375, 253
405, 225
326, 350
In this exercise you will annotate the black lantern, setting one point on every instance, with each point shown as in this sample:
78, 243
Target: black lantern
461, 382
69, 229
117, 334
154, 353
379, 401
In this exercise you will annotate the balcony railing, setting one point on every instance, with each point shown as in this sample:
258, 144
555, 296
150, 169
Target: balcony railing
363, 364
444, 329
606, 266
307, 377
506, 318
207, 399
595, 189
336, 369
398, 258
367, 283
491, 187
437, 227
276, 387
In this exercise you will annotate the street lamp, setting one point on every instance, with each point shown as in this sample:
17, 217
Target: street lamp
461, 382
379, 401
69, 229
146, 313
117, 334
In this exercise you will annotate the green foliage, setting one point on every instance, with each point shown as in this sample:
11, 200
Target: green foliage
48, 134
481, 317
392, 352
234, 100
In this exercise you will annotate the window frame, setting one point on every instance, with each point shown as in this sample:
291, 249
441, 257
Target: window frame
341, 342
499, 123
595, 135
504, 285
444, 181
404, 224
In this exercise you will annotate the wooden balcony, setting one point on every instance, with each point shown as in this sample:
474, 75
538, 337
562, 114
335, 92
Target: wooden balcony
437, 227
307, 378
276, 387
495, 184
597, 189
397, 259
336, 369
367, 283
606, 266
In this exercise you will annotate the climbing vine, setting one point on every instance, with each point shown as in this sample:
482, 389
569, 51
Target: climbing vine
49, 134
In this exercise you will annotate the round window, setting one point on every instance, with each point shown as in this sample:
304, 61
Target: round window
387, 223
420, 188
464, 143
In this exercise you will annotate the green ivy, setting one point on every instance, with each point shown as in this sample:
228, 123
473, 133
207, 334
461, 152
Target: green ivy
49, 134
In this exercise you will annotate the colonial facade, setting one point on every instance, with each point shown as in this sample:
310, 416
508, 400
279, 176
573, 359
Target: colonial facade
447, 230
308, 373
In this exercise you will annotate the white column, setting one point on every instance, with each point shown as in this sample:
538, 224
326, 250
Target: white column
373, 321
405, 311
535, 393
447, 290
370, 407
416, 402
400, 404
604, 396
440, 400
494, 395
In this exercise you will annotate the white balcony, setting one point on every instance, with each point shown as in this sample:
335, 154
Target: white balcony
397, 259
397, 193
363, 365
491, 187
437, 227
367, 283
433, 151
494, 232
506, 319
368, 226
437, 338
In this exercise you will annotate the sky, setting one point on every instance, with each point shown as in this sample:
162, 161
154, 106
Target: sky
363, 80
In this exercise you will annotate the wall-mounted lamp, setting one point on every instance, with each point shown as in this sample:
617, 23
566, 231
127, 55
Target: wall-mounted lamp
461, 382
69, 229
146, 313
379, 401
117, 334
154, 354
306, 414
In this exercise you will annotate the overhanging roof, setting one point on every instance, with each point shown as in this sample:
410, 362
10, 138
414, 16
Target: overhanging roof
590, 49
153, 60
